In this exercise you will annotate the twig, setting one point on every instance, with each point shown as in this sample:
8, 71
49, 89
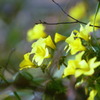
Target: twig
65, 12
10, 54
43, 22
75, 20
64, 64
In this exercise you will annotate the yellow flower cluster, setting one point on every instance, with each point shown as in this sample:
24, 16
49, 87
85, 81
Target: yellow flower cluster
74, 40
40, 49
80, 66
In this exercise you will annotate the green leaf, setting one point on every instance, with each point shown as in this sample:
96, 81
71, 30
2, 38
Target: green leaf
98, 89
97, 10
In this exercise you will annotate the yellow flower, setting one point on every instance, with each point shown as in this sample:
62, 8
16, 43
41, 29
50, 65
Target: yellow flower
80, 66
44, 42
84, 32
36, 32
78, 11
72, 64
92, 95
49, 42
40, 50
97, 22
59, 37
26, 63
40, 54
75, 44
39, 42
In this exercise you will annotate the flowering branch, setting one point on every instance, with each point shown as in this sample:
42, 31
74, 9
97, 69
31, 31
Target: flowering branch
75, 22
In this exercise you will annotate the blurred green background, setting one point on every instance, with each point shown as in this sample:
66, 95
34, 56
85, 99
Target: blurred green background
16, 18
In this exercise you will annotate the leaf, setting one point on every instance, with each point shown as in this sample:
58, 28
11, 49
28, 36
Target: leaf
98, 89
97, 10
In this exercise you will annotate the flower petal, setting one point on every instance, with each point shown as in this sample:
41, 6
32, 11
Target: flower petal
59, 37
36, 32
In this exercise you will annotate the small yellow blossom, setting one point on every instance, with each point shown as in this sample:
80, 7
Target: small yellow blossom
84, 32
49, 42
72, 64
26, 63
97, 21
92, 95
80, 66
40, 54
75, 44
36, 32
78, 11
59, 37
39, 42
40, 50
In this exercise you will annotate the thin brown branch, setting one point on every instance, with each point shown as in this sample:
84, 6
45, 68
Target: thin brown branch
64, 11
67, 13
74, 22
43, 22
8, 60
